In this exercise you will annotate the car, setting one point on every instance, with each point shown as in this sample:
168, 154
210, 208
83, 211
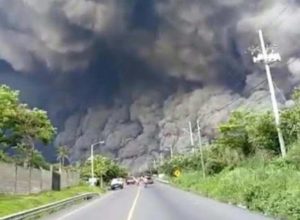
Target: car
149, 180
117, 183
130, 180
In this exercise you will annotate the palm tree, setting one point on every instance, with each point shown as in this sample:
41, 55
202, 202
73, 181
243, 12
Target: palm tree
62, 154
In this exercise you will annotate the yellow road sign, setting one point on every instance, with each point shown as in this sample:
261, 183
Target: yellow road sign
177, 173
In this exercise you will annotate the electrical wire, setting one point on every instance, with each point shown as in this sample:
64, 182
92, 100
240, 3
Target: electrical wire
236, 99
285, 8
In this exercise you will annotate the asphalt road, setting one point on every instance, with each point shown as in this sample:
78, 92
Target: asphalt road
157, 202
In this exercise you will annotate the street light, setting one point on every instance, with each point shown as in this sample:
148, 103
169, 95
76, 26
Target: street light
93, 180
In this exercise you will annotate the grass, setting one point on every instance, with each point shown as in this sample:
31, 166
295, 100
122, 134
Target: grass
272, 189
12, 204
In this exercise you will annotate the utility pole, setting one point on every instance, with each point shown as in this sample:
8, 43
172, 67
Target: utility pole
201, 150
193, 150
92, 165
171, 151
154, 164
267, 57
93, 180
171, 146
161, 158
191, 133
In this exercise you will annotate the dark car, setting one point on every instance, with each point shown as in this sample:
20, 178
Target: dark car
149, 180
130, 180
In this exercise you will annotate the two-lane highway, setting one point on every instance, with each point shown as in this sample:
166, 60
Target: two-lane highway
159, 202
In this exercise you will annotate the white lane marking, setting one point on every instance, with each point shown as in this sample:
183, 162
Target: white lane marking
130, 215
83, 207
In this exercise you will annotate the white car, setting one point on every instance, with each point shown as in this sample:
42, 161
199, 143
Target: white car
117, 183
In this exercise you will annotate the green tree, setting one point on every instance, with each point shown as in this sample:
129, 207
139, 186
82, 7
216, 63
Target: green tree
262, 133
20, 126
4, 157
101, 167
32, 126
9, 101
234, 133
104, 168
62, 153
38, 161
114, 170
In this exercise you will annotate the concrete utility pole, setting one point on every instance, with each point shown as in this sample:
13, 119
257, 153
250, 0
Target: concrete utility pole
154, 164
93, 180
201, 150
171, 147
267, 57
161, 158
92, 164
191, 133
171, 151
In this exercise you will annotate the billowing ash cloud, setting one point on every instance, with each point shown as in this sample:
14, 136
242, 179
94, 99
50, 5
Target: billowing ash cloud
134, 72
57, 34
194, 40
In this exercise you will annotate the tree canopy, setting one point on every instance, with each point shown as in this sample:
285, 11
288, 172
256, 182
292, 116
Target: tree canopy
20, 126
103, 168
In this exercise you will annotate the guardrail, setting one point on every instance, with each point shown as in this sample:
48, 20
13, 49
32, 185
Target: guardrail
55, 206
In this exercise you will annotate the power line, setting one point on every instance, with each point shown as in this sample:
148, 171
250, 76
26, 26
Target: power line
273, 22
282, 96
293, 61
238, 98
285, 9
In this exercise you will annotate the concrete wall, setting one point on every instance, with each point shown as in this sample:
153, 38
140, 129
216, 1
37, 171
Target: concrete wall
20, 180
69, 178
8, 178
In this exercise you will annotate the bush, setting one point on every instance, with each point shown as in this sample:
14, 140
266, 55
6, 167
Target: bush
234, 133
272, 189
262, 133
177, 162
290, 121
293, 156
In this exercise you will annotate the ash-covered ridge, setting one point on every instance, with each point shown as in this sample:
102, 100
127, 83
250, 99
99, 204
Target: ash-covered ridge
136, 133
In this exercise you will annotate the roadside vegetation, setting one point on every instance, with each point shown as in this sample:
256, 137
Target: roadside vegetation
13, 204
21, 129
105, 169
244, 165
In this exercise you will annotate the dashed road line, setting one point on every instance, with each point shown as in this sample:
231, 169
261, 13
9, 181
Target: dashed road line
130, 215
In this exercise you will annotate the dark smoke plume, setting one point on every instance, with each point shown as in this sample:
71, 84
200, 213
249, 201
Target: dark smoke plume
131, 72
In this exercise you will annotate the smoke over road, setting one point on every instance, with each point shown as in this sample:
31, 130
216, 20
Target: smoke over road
134, 72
